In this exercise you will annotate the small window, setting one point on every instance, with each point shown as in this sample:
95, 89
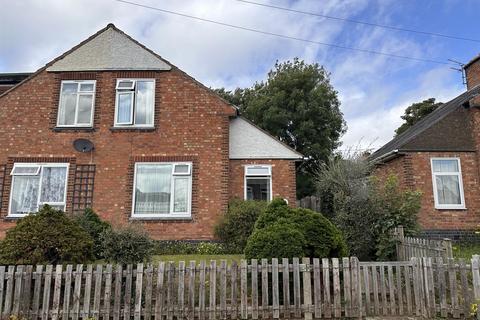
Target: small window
34, 185
135, 102
76, 104
162, 190
447, 183
258, 182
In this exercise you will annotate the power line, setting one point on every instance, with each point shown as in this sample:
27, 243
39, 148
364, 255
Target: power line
371, 24
391, 55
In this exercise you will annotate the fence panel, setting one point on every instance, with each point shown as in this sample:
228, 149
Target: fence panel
307, 288
411, 247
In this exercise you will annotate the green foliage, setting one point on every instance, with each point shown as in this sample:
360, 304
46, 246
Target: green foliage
319, 237
237, 224
177, 247
126, 245
365, 209
94, 226
210, 248
416, 112
48, 236
298, 105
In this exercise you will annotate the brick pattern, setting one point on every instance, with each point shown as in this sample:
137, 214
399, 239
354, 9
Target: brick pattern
3, 172
283, 178
83, 187
473, 78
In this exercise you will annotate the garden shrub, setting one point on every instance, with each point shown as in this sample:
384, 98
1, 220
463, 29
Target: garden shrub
46, 237
319, 237
126, 245
210, 248
178, 247
94, 226
237, 224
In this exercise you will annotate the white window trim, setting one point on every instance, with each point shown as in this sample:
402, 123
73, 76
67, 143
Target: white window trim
171, 214
256, 176
79, 93
40, 204
460, 182
132, 124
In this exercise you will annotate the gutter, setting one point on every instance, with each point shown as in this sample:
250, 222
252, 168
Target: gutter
386, 157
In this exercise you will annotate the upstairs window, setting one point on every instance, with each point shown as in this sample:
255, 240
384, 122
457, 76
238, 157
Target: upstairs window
135, 102
258, 182
76, 104
34, 185
447, 183
162, 190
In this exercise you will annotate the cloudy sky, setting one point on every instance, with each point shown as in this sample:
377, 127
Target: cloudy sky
374, 89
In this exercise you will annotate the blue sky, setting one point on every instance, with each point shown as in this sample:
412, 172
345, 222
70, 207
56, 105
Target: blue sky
374, 90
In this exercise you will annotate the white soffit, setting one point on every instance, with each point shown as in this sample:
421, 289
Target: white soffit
110, 50
249, 142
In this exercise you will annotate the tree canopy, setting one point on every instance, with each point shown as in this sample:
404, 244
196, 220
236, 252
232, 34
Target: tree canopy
417, 111
298, 105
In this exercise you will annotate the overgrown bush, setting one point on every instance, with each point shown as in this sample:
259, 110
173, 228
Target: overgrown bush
94, 226
48, 236
365, 208
315, 234
126, 245
237, 224
166, 247
210, 248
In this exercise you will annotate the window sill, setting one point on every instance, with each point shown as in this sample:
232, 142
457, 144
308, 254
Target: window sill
451, 208
140, 129
13, 218
74, 129
160, 219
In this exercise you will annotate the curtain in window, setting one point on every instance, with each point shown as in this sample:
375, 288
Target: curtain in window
144, 103
85, 103
180, 200
53, 184
67, 107
152, 194
124, 107
24, 194
448, 189
445, 165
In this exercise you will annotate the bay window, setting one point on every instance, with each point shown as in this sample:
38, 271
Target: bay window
447, 183
76, 104
162, 190
34, 185
258, 182
135, 102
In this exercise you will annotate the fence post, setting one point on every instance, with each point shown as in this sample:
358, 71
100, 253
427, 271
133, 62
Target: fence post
476, 280
400, 245
447, 245
307, 289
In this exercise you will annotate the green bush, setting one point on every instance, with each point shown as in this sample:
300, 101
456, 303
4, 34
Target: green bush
171, 247
94, 226
278, 240
319, 237
48, 236
126, 245
237, 224
210, 248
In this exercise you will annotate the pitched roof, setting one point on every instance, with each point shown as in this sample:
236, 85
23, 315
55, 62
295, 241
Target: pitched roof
110, 49
401, 140
247, 141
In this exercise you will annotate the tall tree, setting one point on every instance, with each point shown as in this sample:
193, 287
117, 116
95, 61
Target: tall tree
417, 111
298, 105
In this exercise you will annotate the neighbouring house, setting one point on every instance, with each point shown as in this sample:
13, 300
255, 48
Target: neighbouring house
113, 126
440, 156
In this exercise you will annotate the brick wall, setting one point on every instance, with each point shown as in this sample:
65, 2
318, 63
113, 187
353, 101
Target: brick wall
283, 178
190, 122
420, 178
472, 73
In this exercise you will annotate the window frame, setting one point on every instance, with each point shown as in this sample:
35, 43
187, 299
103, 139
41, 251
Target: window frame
133, 104
41, 165
171, 214
79, 93
257, 176
438, 205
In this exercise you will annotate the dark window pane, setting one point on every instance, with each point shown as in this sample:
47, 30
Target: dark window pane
258, 189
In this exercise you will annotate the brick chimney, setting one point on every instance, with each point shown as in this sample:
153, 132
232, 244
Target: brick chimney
472, 74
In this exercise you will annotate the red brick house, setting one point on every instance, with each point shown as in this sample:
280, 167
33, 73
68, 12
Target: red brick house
157, 146
440, 156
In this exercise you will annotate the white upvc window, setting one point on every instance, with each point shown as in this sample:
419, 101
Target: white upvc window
134, 102
77, 100
447, 183
258, 182
162, 190
36, 184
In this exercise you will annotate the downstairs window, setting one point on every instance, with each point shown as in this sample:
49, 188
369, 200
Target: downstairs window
258, 182
34, 185
162, 190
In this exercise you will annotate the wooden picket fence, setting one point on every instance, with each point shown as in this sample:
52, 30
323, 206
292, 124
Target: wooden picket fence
410, 247
310, 202
318, 288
